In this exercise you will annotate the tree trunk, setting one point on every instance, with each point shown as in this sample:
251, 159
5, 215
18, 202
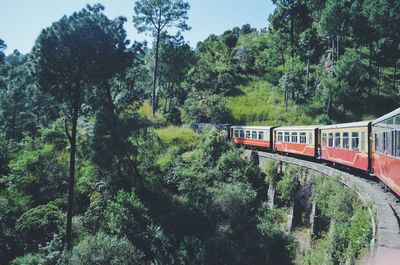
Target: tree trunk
379, 80
337, 47
394, 73
369, 75
72, 156
308, 75
155, 73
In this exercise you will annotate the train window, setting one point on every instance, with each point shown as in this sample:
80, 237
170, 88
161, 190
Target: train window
286, 137
398, 143
362, 146
254, 135
330, 139
376, 142
241, 134
248, 134
236, 133
280, 137
397, 120
294, 137
337, 140
355, 141
324, 139
310, 138
261, 135
303, 138
346, 141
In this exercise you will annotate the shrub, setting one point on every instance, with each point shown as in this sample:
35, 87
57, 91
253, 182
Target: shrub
103, 249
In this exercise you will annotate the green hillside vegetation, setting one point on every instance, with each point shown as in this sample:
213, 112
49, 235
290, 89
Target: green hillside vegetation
97, 154
258, 102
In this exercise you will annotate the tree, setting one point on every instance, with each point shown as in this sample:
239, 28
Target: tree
3, 46
72, 56
103, 249
156, 16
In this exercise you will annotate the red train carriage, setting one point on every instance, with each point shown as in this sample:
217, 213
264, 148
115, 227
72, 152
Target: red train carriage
346, 144
386, 156
299, 140
255, 136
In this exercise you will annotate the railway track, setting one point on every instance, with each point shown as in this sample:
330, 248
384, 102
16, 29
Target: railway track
384, 207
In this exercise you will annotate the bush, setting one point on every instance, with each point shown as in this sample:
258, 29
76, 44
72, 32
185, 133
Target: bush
103, 249
38, 224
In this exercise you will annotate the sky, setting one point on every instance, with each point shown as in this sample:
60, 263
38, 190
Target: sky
21, 21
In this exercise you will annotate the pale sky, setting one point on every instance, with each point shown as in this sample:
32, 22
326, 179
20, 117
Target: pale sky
21, 21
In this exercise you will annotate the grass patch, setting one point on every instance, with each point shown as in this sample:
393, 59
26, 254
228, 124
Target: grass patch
177, 136
260, 103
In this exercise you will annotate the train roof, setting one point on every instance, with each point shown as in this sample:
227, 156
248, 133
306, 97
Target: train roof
387, 116
245, 127
346, 125
302, 127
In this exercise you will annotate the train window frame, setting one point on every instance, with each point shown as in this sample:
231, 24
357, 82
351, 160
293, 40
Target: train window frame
345, 140
286, 134
330, 139
280, 137
241, 134
248, 135
397, 132
397, 120
260, 135
355, 140
303, 137
310, 138
236, 133
337, 140
324, 139
253, 134
294, 137
362, 142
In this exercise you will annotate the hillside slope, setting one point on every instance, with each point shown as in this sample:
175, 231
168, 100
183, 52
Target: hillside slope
258, 102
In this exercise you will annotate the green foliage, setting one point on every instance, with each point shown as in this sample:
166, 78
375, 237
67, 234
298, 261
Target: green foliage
177, 136
28, 259
38, 224
204, 107
103, 249
261, 103
12, 205
288, 184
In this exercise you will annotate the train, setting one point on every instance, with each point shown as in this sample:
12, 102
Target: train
372, 147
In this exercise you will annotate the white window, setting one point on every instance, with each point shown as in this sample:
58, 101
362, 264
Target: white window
236, 134
324, 140
303, 138
287, 137
294, 137
330, 139
248, 134
362, 146
254, 135
398, 143
337, 140
346, 141
310, 138
241, 134
280, 137
261, 135
355, 141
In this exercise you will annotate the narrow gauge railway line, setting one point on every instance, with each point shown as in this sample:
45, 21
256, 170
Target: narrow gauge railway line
383, 205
